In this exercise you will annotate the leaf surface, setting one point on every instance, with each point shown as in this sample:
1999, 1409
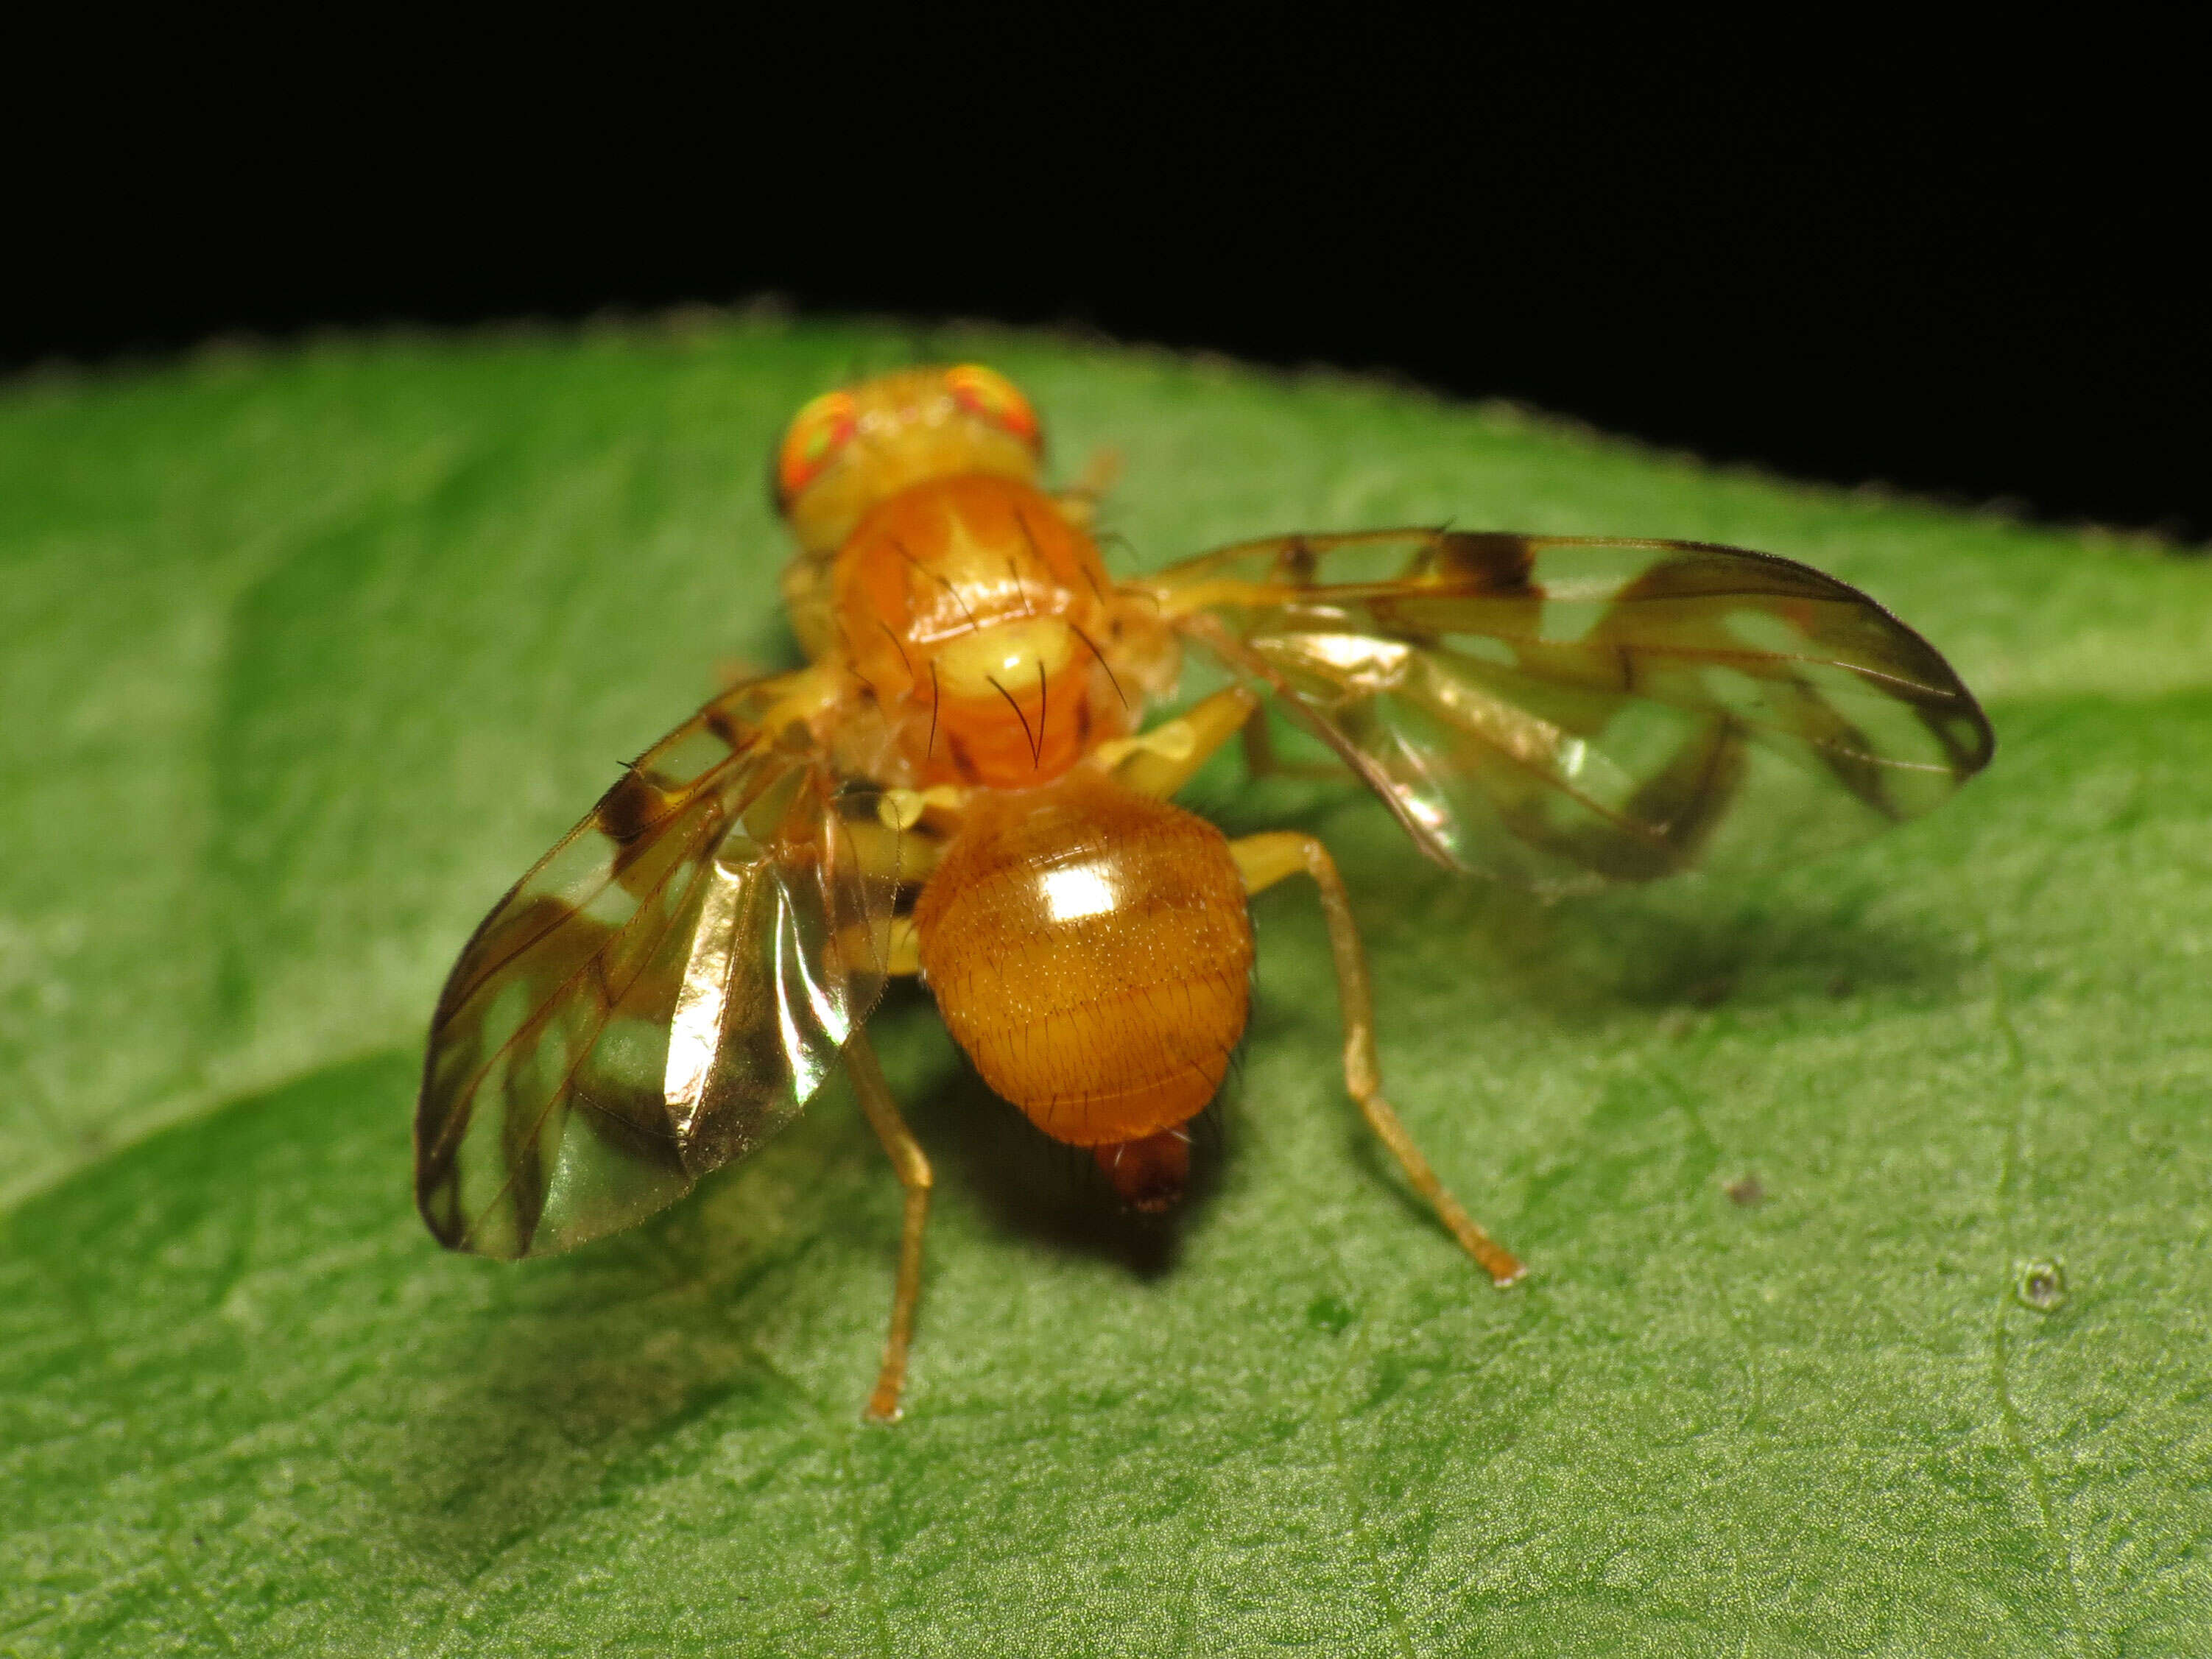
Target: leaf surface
1867, 1203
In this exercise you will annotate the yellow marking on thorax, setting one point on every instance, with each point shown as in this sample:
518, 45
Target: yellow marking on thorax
1006, 656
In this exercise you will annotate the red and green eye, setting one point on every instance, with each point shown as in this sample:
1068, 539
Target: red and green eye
989, 394
816, 435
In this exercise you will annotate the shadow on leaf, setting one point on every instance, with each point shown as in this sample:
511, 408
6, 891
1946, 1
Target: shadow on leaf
1053, 1195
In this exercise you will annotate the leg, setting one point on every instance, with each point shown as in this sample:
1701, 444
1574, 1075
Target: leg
1263, 861
1261, 760
913, 1169
1079, 501
1160, 762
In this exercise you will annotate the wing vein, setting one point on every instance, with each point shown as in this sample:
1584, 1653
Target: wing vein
599, 1026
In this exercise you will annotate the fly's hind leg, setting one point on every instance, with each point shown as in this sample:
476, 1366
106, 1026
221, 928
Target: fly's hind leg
1261, 760
907, 1157
1264, 860
1160, 762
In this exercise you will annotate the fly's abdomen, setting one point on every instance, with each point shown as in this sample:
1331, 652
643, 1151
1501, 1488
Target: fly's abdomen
1089, 949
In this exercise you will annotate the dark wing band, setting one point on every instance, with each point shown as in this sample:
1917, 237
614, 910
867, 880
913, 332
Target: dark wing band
1553, 708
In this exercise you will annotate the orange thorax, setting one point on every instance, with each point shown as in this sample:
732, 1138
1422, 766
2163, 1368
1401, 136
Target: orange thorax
977, 616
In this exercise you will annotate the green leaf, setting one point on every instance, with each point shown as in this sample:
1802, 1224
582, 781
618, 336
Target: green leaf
310, 651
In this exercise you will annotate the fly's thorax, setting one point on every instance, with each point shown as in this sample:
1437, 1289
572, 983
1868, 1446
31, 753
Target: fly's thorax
982, 621
1090, 948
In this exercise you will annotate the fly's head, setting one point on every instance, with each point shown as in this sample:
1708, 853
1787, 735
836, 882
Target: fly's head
848, 450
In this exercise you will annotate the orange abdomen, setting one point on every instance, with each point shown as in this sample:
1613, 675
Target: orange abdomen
1090, 949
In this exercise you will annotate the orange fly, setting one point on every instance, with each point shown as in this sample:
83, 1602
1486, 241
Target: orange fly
959, 785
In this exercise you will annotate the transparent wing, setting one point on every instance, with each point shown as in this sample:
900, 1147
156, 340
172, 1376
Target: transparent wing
1558, 710
668, 988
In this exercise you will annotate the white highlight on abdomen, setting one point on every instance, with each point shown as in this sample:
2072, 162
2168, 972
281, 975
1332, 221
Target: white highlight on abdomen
1072, 894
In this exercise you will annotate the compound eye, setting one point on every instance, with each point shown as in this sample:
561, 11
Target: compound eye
817, 433
990, 395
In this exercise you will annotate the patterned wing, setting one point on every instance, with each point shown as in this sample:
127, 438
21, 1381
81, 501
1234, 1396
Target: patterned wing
666, 988
1558, 710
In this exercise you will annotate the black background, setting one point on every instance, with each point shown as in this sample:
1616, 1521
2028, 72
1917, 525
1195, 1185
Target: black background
1968, 273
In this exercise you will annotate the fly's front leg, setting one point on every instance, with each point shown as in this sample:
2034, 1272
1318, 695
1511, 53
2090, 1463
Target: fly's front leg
907, 1157
1264, 860
1079, 501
